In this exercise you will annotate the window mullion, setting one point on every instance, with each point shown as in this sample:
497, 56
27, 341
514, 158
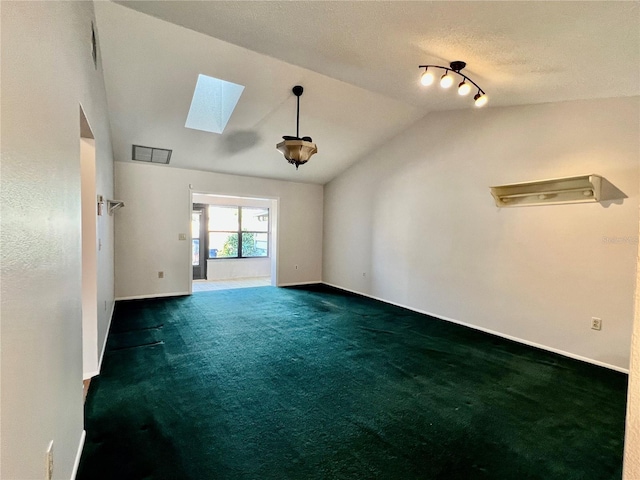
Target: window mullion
239, 232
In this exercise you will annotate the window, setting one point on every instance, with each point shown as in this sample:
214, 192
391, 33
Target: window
238, 232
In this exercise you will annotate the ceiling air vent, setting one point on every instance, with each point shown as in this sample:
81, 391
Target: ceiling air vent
151, 154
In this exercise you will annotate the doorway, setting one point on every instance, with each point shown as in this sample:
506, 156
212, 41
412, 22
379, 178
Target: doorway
233, 241
198, 241
88, 201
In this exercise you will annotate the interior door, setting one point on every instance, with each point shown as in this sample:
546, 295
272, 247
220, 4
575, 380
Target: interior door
198, 241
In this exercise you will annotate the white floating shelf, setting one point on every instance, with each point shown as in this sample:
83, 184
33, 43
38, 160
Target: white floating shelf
580, 189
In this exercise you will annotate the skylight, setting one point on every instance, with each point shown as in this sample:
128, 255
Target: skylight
213, 103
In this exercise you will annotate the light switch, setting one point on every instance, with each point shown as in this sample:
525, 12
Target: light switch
182, 236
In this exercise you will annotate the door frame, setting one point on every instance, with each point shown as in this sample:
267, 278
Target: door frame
274, 240
89, 246
203, 247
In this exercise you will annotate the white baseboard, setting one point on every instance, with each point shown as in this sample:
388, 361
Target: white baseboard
317, 282
153, 295
88, 375
106, 337
76, 464
492, 332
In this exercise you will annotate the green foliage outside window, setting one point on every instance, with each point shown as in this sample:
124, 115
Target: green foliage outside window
230, 247
249, 249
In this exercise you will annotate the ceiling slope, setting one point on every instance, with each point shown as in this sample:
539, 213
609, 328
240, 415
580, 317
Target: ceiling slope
151, 68
358, 63
519, 52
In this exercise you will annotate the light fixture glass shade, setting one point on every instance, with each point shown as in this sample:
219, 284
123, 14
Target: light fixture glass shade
464, 88
480, 99
297, 152
446, 80
427, 78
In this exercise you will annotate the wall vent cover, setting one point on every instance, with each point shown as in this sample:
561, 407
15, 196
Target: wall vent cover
151, 154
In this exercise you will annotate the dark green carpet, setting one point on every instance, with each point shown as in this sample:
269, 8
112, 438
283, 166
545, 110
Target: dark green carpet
267, 383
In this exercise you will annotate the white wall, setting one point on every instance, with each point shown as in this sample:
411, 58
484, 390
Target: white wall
415, 224
158, 206
106, 245
225, 268
47, 72
632, 432
631, 469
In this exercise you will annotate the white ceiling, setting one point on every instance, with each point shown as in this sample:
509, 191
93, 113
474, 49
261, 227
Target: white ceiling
358, 64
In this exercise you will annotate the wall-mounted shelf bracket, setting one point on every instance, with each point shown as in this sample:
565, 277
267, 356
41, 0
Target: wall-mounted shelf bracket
114, 205
579, 189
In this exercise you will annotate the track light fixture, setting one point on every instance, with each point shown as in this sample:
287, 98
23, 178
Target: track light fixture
446, 80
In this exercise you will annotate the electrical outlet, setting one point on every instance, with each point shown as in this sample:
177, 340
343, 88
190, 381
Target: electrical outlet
49, 462
160, 274
364, 274
596, 323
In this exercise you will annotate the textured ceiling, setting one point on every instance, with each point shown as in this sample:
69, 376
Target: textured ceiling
358, 62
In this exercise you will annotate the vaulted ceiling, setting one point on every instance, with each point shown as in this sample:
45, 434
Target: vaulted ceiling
358, 62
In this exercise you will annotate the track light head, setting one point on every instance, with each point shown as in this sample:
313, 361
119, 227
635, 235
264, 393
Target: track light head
480, 99
427, 78
464, 88
446, 80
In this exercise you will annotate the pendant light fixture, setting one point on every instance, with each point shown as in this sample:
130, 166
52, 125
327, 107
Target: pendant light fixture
297, 150
446, 80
